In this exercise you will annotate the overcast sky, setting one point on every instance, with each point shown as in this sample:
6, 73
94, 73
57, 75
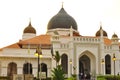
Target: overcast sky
15, 15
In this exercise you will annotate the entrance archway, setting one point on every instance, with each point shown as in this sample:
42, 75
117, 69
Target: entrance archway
87, 65
84, 67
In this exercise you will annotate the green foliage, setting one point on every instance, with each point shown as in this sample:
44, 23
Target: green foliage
57, 57
108, 77
74, 76
48, 78
71, 78
4, 78
101, 79
58, 73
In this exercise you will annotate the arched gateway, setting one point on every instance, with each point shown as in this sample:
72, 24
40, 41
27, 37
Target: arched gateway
87, 65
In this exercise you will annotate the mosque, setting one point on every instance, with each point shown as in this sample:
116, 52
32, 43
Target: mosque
80, 55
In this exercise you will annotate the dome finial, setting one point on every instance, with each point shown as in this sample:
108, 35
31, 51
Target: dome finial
29, 21
62, 4
29, 28
100, 25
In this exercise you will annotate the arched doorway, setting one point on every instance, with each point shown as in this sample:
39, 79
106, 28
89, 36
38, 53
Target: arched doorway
12, 69
84, 67
27, 68
44, 68
64, 63
108, 64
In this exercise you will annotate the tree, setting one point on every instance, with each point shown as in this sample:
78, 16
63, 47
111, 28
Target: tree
57, 58
58, 73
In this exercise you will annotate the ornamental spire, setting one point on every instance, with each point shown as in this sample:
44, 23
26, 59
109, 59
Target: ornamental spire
29, 21
62, 4
100, 24
101, 30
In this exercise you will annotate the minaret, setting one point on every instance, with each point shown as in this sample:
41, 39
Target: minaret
101, 53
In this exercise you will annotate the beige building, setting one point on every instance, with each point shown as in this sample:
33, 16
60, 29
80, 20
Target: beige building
85, 53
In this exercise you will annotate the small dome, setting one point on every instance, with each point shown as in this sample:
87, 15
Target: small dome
114, 36
62, 20
29, 29
98, 33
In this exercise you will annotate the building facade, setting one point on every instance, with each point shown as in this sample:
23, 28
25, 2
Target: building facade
81, 55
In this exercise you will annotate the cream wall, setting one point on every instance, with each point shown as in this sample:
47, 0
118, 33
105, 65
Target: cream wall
74, 47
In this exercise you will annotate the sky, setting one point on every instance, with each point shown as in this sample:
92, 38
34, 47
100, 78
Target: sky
16, 14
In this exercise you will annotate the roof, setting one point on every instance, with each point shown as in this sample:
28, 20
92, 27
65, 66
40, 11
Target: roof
107, 41
62, 20
41, 39
15, 45
114, 36
98, 33
29, 29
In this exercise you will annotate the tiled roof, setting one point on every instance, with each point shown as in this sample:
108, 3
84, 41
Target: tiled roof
15, 45
107, 41
41, 39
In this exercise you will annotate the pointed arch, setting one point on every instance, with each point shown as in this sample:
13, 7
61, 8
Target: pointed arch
108, 64
27, 68
64, 63
87, 64
12, 69
84, 65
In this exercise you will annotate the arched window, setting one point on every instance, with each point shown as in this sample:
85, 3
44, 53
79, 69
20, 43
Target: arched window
44, 68
64, 63
27, 68
12, 69
108, 64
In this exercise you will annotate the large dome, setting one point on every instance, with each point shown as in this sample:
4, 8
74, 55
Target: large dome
62, 20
